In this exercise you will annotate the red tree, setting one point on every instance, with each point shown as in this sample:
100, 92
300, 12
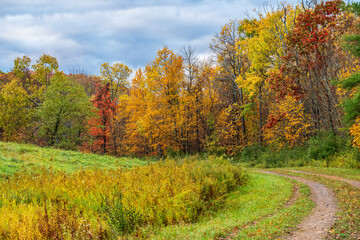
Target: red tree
100, 126
312, 61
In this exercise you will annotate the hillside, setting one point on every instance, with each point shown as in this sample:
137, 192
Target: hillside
14, 156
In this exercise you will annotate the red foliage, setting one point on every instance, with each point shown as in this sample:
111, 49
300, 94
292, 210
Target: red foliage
308, 48
273, 120
100, 126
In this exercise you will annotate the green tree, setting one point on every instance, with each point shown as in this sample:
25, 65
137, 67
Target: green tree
352, 104
64, 113
15, 113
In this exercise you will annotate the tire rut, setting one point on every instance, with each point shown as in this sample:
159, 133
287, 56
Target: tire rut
322, 217
235, 231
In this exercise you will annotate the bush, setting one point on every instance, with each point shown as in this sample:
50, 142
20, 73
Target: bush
325, 145
121, 220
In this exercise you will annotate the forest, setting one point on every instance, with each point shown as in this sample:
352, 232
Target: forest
285, 78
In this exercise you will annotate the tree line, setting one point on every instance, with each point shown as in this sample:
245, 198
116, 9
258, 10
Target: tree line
276, 79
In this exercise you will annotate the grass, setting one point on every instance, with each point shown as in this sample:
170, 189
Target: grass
285, 220
14, 156
260, 201
348, 173
348, 222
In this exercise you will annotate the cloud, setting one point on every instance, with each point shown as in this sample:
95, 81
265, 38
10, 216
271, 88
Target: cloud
84, 34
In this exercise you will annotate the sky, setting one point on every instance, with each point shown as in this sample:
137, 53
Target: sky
83, 34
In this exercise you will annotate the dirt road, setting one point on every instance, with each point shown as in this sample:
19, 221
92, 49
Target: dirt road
322, 217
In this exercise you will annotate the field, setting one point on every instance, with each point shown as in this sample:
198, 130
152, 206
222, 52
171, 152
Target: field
54, 194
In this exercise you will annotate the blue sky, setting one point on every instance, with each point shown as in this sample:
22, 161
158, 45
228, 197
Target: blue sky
83, 34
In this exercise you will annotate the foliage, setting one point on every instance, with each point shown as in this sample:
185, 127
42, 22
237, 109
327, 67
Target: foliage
120, 219
100, 125
352, 104
117, 76
15, 114
288, 125
64, 113
325, 145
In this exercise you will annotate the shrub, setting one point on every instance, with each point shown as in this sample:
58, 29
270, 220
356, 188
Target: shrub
325, 145
121, 220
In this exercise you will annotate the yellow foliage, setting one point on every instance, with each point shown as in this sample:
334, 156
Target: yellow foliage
15, 112
355, 133
83, 205
290, 126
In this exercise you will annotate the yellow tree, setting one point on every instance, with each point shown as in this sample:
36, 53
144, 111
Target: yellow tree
265, 43
155, 102
134, 108
232, 63
117, 76
46, 66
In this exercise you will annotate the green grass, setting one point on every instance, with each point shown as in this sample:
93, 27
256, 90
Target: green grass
284, 220
348, 222
14, 156
258, 200
348, 173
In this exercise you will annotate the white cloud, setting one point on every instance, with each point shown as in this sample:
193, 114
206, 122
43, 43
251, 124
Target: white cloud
84, 34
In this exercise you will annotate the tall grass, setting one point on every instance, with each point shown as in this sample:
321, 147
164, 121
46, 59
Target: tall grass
105, 203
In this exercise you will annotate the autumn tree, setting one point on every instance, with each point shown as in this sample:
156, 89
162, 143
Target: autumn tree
46, 66
289, 125
100, 125
117, 75
15, 114
20, 98
156, 102
200, 102
233, 63
312, 63
265, 43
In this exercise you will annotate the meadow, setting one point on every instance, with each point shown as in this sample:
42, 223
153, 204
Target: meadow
102, 202
48, 193
15, 157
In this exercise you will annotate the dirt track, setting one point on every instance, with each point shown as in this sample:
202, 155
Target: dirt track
322, 217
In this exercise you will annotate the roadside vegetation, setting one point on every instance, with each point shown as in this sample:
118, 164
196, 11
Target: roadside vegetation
323, 151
